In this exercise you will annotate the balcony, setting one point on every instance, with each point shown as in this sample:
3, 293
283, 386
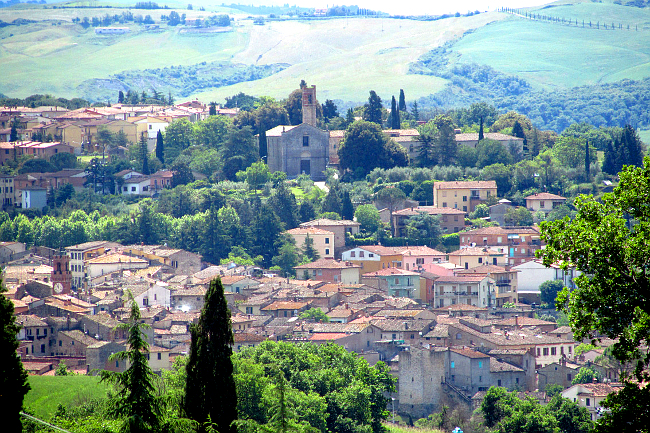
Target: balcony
503, 282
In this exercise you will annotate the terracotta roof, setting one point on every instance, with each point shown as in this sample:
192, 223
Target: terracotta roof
475, 251
420, 251
285, 305
247, 337
329, 222
390, 271
545, 196
484, 270
379, 250
30, 320
412, 211
116, 258
525, 321
80, 337
469, 353
503, 231
327, 336
473, 136
309, 231
460, 279
327, 263
599, 389
466, 184
497, 366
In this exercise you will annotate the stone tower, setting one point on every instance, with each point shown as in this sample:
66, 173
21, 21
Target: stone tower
309, 105
61, 276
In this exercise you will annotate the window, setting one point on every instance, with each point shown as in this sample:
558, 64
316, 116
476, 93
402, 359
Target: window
459, 336
499, 239
327, 240
553, 351
327, 251
249, 310
419, 261
353, 254
588, 401
480, 259
480, 378
133, 189
541, 204
516, 380
361, 253
545, 351
159, 356
568, 377
60, 343
444, 204
464, 208
453, 365
464, 198
396, 280
480, 364
305, 141
117, 364
538, 351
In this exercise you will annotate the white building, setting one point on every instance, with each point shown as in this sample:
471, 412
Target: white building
591, 396
533, 273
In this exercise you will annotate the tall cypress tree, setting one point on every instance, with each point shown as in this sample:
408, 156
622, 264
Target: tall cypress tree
402, 100
394, 115
331, 202
144, 155
210, 388
414, 111
372, 110
480, 129
347, 209
13, 377
160, 147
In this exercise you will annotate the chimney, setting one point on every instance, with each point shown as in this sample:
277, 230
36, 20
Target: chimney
517, 321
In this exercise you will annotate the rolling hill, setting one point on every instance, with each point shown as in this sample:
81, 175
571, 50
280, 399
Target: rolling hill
345, 57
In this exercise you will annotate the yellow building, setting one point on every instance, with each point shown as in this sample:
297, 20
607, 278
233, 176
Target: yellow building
472, 257
463, 195
374, 258
323, 240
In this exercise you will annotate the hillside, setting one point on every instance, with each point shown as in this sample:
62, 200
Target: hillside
345, 57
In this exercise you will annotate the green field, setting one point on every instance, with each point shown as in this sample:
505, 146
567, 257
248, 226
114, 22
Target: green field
344, 57
553, 55
49, 391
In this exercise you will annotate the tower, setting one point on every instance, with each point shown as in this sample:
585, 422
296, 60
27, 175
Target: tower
309, 105
61, 276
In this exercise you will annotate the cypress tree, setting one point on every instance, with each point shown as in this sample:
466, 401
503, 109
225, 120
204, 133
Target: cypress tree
213, 109
210, 393
160, 147
402, 100
634, 152
307, 212
331, 202
144, 155
347, 209
120, 97
372, 110
309, 250
480, 129
394, 115
13, 377
414, 111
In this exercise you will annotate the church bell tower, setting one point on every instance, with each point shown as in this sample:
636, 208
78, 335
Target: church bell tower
309, 105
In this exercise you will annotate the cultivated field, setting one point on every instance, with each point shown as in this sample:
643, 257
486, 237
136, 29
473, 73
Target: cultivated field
49, 391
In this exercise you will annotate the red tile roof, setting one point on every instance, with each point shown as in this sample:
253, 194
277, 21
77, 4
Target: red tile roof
545, 196
473, 184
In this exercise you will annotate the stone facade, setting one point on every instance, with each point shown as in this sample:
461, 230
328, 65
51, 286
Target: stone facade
421, 375
296, 150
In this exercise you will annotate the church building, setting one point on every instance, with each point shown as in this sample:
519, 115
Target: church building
300, 149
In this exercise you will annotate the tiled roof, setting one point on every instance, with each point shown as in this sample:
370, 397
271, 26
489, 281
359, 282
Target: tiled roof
389, 272
460, 279
497, 366
309, 231
473, 136
87, 245
474, 251
401, 313
327, 336
116, 258
80, 336
30, 320
285, 305
469, 353
327, 263
545, 196
414, 325
525, 321
503, 231
466, 184
247, 337
329, 222
412, 211
599, 389
379, 250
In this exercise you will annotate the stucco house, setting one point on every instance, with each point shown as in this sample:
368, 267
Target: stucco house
544, 201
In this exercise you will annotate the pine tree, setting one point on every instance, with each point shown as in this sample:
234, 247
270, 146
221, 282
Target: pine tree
349, 117
309, 250
518, 130
632, 143
414, 111
372, 110
144, 155
13, 134
136, 399
160, 147
609, 164
284, 203
402, 100
13, 377
394, 115
331, 202
347, 209
480, 129
213, 109
307, 212
120, 97
210, 388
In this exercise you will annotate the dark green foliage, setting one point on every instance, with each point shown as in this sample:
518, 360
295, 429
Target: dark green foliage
402, 100
210, 392
36, 165
586, 375
624, 150
347, 209
327, 387
331, 202
365, 147
284, 203
315, 314
307, 212
368, 216
144, 155
481, 136
629, 410
330, 110
242, 101
518, 130
424, 226
372, 111
136, 401
549, 290
501, 174
212, 111
182, 174
287, 257
587, 160
415, 113
308, 249
13, 133
64, 160
518, 216
266, 228
13, 377
490, 152
394, 115
613, 260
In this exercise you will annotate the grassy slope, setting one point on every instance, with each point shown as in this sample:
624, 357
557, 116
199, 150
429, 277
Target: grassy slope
553, 55
49, 391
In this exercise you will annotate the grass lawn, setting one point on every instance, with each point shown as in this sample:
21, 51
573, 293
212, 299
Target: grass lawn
49, 391
554, 55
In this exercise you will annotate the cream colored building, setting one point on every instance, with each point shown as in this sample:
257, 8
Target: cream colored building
544, 201
463, 195
472, 257
323, 240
